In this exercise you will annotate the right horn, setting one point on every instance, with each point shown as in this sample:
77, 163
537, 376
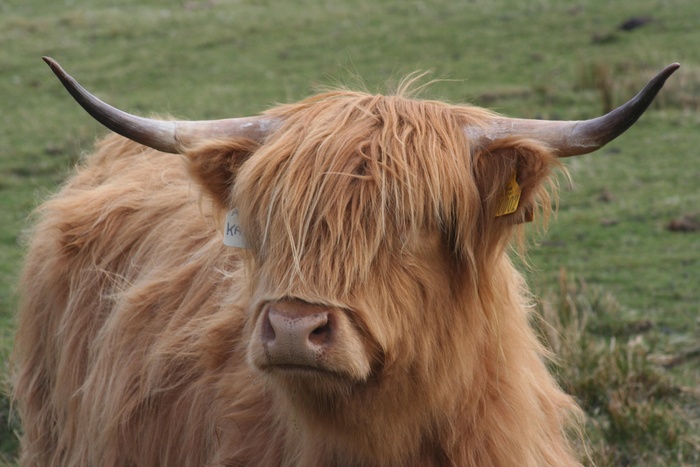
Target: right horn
573, 138
164, 135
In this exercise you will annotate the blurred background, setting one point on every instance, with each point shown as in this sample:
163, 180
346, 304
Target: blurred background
616, 273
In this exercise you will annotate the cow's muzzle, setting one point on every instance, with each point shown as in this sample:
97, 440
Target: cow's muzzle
298, 337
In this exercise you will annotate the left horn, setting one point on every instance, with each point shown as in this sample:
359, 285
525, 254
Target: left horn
163, 135
573, 138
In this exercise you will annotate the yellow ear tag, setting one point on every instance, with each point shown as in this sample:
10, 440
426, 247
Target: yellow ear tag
511, 198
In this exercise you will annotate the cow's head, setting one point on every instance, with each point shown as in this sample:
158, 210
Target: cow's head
376, 226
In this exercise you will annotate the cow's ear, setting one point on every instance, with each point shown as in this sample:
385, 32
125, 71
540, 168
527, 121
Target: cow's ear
214, 166
512, 178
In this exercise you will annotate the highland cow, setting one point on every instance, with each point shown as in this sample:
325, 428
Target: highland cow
368, 314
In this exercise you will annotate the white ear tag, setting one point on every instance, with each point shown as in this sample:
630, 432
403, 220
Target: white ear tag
233, 235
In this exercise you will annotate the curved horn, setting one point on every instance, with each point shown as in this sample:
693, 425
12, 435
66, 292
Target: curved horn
573, 138
163, 135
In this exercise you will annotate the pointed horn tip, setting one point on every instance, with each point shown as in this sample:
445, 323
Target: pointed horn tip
670, 69
50, 61
55, 67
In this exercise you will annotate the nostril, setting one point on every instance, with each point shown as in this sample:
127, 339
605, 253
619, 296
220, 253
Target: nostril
323, 331
268, 330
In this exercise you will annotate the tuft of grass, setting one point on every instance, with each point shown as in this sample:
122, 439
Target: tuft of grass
616, 84
597, 76
9, 431
629, 400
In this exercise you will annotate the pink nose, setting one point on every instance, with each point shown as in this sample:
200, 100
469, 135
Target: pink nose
296, 333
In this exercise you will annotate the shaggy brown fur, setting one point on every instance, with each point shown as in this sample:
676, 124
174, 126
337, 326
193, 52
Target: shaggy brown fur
136, 321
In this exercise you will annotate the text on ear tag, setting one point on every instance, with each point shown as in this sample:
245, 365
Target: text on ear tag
233, 235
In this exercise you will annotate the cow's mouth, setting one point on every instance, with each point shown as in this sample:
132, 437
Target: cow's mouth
300, 370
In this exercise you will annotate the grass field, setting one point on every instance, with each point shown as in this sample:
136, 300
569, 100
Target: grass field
614, 278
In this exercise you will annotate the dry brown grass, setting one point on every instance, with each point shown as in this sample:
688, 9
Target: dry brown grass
629, 399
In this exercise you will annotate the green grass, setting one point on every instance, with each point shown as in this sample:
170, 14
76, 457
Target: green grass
552, 59
637, 413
